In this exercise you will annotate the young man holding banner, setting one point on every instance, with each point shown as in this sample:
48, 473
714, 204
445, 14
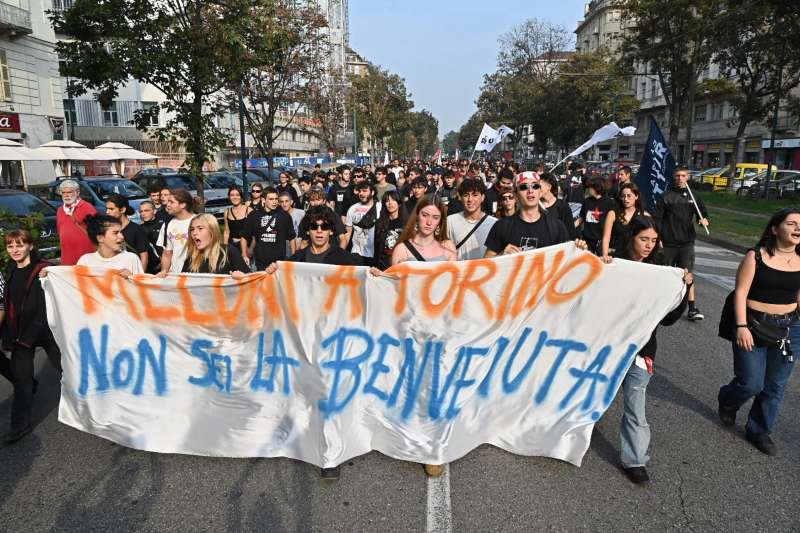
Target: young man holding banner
676, 210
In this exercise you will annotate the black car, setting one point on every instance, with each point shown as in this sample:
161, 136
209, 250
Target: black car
216, 198
20, 204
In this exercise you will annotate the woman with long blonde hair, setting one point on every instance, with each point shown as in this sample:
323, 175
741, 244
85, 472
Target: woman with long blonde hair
205, 252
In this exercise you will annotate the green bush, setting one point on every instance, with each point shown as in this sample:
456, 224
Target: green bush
33, 223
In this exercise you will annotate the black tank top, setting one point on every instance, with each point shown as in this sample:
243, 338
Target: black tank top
773, 286
235, 225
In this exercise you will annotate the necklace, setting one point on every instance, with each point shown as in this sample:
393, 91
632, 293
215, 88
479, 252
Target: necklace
791, 255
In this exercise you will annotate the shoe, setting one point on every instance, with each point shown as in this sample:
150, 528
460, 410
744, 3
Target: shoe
695, 315
637, 474
434, 470
762, 442
329, 474
16, 434
727, 416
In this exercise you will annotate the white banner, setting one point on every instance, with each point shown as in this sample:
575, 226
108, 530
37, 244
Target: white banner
324, 363
606, 133
504, 131
488, 139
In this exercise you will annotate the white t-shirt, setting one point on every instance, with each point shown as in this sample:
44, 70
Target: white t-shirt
458, 227
177, 238
122, 261
363, 239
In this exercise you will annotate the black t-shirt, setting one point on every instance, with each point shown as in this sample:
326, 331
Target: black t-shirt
135, 238
18, 286
271, 231
385, 243
593, 214
450, 200
233, 262
342, 198
546, 231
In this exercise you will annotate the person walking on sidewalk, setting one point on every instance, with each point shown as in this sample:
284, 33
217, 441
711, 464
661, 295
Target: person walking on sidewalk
767, 297
676, 211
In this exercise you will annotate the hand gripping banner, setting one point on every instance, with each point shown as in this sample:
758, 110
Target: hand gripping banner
324, 363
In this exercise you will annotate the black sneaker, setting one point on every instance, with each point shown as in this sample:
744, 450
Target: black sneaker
16, 434
762, 442
329, 474
695, 315
637, 474
727, 416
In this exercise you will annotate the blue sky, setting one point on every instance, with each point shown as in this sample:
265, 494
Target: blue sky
443, 47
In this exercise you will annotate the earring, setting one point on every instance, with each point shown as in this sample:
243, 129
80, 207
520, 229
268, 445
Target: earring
437, 231
416, 227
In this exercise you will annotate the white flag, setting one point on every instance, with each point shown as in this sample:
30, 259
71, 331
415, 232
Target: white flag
488, 139
607, 132
386, 159
458, 155
505, 131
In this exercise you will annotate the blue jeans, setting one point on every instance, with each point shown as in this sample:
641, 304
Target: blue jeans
763, 373
634, 433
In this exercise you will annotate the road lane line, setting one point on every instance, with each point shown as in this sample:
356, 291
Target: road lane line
726, 282
440, 518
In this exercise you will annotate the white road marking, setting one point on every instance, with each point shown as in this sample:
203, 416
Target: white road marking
726, 282
716, 263
440, 517
715, 251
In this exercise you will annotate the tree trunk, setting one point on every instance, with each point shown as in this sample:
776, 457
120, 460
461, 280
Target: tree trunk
738, 152
690, 123
197, 148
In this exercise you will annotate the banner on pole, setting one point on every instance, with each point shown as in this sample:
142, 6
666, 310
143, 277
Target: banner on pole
656, 169
487, 140
324, 363
606, 133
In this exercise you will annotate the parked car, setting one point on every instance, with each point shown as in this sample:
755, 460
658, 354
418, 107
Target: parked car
216, 198
96, 189
154, 171
21, 203
699, 175
782, 184
745, 172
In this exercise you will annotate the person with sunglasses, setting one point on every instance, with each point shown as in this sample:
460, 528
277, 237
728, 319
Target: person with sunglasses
256, 200
507, 207
531, 227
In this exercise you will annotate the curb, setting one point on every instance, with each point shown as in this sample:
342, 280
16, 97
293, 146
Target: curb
723, 243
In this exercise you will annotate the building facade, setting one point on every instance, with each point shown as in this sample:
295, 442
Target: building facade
31, 112
601, 27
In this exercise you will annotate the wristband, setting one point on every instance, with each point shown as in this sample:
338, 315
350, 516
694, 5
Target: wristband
742, 325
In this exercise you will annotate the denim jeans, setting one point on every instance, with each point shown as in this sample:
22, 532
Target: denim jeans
763, 373
634, 433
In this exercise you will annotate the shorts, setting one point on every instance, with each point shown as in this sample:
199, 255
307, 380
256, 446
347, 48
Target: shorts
680, 256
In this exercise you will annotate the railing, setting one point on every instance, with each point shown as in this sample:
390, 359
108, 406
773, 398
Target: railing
62, 5
15, 19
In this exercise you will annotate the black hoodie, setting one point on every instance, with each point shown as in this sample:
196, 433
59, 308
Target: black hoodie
676, 214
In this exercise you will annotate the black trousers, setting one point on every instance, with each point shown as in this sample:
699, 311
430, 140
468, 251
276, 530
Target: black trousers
19, 370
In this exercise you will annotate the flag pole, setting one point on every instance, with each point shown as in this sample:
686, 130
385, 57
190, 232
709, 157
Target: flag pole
697, 208
557, 164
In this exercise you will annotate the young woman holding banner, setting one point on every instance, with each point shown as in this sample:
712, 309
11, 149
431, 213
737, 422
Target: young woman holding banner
642, 243
105, 232
767, 293
24, 327
205, 252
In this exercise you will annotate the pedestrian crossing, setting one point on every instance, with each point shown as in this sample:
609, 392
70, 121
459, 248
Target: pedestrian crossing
716, 265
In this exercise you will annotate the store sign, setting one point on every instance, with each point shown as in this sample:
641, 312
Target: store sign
782, 143
9, 122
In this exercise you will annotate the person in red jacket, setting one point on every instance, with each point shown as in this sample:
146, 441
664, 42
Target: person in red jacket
70, 223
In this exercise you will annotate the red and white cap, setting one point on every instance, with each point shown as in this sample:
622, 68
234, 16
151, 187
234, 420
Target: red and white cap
527, 177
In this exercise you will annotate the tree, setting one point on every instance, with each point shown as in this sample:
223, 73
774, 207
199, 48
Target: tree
381, 102
326, 101
758, 63
673, 41
450, 142
189, 50
276, 85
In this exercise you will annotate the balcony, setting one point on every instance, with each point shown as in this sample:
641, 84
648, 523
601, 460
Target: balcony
62, 5
14, 20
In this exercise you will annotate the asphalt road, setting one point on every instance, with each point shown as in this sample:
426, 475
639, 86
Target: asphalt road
704, 477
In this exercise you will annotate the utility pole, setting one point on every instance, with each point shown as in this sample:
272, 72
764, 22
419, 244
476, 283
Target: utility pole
772, 151
242, 142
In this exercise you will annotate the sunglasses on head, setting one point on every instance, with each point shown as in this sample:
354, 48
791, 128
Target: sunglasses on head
526, 186
321, 226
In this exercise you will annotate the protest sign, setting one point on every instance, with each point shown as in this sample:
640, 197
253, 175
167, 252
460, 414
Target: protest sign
324, 363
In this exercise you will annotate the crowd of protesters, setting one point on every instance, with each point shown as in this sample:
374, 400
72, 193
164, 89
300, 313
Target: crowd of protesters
459, 210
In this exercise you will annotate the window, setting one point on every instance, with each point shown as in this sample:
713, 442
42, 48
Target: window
154, 119
700, 113
640, 122
653, 85
644, 89
5, 78
717, 111
70, 114
110, 116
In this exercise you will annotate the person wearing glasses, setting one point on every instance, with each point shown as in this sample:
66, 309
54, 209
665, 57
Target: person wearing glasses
531, 227
508, 205
256, 200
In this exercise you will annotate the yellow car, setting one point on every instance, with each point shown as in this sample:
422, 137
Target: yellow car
744, 176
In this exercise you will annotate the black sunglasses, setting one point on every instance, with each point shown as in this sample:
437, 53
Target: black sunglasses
507, 198
321, 226
526, 186
256, 191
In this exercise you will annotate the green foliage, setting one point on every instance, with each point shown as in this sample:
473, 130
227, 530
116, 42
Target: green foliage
33, 223
190, 50
450, 142
382, 105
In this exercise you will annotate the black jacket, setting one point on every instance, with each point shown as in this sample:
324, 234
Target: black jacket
676, 214
335, 256
26, 325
